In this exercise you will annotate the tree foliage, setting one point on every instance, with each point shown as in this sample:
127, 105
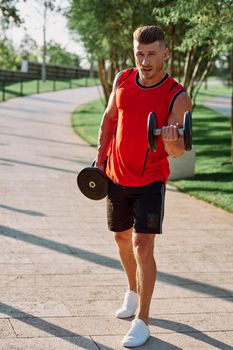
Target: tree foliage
8, 11
28, 49
197, 32
105, 27
9, 59
56, 54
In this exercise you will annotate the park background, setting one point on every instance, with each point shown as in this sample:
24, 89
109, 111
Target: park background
60, 275
92, 40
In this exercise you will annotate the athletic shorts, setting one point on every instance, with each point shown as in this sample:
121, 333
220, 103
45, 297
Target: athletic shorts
139, 207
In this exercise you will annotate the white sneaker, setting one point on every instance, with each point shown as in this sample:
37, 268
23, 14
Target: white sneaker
129, 305
137, 335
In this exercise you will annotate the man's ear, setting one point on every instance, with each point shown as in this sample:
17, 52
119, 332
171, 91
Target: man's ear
166, 54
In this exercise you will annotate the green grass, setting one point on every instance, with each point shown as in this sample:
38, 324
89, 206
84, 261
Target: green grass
213, 180
30, 87
86, 120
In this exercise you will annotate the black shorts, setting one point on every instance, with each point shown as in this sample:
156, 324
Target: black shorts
139, 207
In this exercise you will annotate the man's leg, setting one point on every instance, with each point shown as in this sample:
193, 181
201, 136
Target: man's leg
148, 214
143, 244
126, 252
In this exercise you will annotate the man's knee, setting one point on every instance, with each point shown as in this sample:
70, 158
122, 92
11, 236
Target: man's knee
143, 246
124, 237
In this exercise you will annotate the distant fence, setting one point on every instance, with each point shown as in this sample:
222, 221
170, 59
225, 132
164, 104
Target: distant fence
32, 71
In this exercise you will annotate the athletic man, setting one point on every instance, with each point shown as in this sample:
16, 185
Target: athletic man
137, 175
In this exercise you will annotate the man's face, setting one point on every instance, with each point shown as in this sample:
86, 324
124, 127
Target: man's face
149, 59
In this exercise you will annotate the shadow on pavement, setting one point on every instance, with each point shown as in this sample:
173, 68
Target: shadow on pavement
34, 120
44, 139
38, 165
48, 327
102, 260
189, 331
154, 343
46, 99
59, 247
27, 212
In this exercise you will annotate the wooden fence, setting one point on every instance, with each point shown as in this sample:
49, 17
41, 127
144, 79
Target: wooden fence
33, 72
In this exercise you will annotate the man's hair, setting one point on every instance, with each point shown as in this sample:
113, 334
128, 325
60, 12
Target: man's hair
149, 34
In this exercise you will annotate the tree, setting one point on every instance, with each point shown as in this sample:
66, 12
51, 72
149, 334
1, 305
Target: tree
8, 11
56, 54
198, 32
28, 48
105, 27
214, 27
45, 6
9, 59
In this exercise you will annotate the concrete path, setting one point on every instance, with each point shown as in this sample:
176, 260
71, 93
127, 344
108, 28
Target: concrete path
220, 104
61, 280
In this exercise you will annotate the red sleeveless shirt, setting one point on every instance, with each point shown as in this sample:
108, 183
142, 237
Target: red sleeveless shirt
129, 161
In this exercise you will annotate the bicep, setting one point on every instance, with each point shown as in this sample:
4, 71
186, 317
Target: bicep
111, 111
181, 105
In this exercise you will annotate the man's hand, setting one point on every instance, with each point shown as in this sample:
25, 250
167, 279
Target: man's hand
170, 133
174, 144
100, 166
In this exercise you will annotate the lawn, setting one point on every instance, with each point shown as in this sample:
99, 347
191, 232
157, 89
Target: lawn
213, 180
30, 87
86, 120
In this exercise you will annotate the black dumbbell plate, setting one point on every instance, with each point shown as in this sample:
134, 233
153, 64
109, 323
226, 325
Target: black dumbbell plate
187, 125
93, 183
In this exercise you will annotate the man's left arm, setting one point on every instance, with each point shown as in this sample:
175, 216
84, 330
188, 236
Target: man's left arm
173, 142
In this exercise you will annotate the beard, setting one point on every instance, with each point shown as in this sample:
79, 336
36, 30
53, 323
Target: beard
150, 72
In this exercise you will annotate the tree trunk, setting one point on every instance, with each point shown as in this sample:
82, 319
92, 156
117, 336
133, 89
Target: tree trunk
201, 80
103, 78
189, 54
171, 50
194, 74
179, 66
111, 72
232, 105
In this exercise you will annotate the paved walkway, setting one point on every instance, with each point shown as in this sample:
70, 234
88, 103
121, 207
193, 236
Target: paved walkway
61, 280
220, 104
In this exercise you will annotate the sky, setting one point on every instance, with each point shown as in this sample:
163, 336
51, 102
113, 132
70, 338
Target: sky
32, 13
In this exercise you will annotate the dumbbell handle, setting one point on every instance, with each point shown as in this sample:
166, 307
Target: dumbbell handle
157, 132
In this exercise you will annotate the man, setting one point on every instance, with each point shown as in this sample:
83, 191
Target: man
137, 176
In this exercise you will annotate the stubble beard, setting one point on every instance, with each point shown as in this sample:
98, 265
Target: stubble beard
152, 74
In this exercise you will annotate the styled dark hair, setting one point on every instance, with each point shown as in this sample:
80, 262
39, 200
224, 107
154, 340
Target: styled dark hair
149, 34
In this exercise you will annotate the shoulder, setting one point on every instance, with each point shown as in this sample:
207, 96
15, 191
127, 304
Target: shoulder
173, 86
183, 102
176, 93
121, 77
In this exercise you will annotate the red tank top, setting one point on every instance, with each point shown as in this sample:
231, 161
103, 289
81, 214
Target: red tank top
129, 161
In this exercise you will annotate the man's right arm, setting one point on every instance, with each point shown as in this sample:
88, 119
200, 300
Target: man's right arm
107, 128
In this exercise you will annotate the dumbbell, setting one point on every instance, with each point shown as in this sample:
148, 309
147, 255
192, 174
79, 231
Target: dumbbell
153, 132
93, 183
